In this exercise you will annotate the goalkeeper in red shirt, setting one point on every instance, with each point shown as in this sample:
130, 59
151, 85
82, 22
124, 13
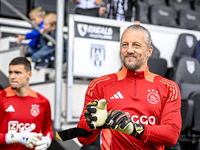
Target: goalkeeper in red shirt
25, 114
143, 108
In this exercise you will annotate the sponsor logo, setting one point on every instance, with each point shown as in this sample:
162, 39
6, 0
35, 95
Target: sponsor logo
189, 41
143, 119
153, 97
35, 110
10, 109
82, 29
95, 31
15, 126
97, 55
118, 95
190, 65
163, 13
190, 17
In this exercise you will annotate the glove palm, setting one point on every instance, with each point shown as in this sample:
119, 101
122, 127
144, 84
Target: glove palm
96, 113
120, 121
44, 143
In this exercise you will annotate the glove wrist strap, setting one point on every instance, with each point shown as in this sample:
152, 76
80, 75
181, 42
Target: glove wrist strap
11, 138
138, 130
48, 139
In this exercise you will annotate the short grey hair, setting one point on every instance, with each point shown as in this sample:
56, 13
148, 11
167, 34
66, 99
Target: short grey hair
144, 30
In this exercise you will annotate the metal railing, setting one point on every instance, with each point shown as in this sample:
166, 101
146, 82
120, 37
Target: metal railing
59, 53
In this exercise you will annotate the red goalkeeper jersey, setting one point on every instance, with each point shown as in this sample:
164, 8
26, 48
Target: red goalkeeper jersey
149, 99
18, 113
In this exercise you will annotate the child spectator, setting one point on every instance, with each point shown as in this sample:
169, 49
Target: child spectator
37, 16
45, 55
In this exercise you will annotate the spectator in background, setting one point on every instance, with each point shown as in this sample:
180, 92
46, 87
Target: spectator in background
123, 10
45, 56
25, 114
89, 7
37, 16
116, 9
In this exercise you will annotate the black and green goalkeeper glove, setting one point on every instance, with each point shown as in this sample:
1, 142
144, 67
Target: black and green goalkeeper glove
96, 113
120, 121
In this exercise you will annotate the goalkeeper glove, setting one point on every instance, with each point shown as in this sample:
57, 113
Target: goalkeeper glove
96, 113
44, 143
120, 121
25, 137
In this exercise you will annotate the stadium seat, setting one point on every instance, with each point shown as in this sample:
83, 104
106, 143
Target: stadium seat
195, 130
21, 5
141, 12
189, 19
196, 5
187, 112
158, 66
4, 83
48, 5
178, 5
154, 2
184, 47
187, 77
70, 7
156, 52
162, 15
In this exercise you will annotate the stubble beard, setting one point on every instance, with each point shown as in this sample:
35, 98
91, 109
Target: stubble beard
14, 88
134, 66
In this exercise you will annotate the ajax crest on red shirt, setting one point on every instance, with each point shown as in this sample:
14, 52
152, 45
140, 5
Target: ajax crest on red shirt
35, 110
153, 97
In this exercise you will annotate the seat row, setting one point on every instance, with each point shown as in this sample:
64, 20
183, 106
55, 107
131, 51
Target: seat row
186, 73
174, 13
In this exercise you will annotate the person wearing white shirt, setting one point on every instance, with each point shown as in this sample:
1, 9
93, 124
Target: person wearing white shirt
89, 7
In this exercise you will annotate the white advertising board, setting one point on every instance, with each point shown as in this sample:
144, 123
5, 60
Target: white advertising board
96, 50
95, 58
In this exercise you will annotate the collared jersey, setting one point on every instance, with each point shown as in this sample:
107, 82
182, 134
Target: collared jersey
149, 99
18, 113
